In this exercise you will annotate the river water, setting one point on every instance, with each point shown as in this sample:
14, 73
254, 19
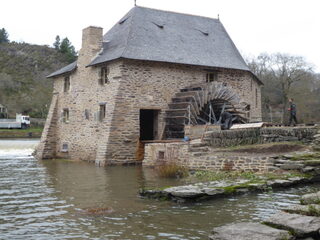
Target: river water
50, 199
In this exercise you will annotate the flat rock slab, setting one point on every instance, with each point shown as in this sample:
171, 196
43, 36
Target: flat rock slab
303, 209
311, 198
248, 231
299, 225
213, 189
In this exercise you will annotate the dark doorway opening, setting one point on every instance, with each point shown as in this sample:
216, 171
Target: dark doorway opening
148, 124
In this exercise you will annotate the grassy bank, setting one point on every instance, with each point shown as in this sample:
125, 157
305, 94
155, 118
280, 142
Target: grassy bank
21, 133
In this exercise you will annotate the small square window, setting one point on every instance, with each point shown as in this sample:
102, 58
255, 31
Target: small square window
161, 155
65, 147
65, 115
211, 77
66, 86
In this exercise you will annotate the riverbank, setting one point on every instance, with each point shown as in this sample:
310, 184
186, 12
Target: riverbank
288, 169
34, 132
227, 188
301, 221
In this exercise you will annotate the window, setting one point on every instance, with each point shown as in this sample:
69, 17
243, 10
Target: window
256, 97
104, 72
161, 155
86, 114
102, 112
66, 86
211, 77
65, 115
65, 147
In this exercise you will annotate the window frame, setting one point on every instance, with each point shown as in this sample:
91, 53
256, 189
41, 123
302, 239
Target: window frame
66, 84
104, 75
102, 111
87, 114
211, 77
65, 115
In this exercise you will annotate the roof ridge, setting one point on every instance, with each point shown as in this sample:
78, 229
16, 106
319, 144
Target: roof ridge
188, 14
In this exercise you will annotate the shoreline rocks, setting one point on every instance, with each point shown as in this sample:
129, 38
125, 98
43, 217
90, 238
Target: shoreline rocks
249, 231
210, 190
295, 222
299, 225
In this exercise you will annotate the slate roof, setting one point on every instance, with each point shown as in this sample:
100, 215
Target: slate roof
156, 35
69, 68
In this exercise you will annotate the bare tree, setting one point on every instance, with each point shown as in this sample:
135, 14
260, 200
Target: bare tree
279, 72
288, 69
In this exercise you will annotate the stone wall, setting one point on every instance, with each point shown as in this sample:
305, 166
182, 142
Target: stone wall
203, 155
237, 137
132, 85
151, 85
180, 153
47, 146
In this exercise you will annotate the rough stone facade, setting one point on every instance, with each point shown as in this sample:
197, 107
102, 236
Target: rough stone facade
202, 155
132, 85
182, 155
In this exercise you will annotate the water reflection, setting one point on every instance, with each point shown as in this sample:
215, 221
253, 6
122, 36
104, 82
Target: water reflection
45, 200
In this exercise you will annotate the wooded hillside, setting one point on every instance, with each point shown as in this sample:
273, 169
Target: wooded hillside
23, 83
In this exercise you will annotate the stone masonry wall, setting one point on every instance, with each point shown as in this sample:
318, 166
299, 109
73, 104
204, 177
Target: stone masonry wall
180, 154
132, 85
47, 146
183, 153
151, 85
237, 137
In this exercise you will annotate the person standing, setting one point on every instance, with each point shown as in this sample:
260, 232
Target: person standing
293, 112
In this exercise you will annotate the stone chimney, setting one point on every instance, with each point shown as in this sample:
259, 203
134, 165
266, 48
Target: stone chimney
91, 44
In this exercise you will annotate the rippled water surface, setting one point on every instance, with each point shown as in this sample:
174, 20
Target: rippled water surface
49, 200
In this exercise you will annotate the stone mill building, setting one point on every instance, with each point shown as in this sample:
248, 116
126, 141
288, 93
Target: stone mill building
150, 75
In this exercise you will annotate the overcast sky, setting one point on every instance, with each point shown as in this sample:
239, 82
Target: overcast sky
256, 26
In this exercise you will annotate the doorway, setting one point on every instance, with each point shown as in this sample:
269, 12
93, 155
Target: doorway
148, 124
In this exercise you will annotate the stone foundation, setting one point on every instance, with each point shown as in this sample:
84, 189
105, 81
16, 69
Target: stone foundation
206, 155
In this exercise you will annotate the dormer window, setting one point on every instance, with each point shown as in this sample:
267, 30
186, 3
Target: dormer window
211, 77
66, 85
104, 72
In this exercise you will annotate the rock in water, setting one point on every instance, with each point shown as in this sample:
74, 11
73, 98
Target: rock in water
311, 198
248, 231
309, 210
299, 225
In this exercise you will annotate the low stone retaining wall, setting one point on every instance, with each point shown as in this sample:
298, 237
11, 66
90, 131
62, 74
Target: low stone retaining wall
202, 155
159, 153
236, 137
179, 153
230, 163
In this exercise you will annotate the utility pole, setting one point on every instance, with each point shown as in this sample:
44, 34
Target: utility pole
135, 2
